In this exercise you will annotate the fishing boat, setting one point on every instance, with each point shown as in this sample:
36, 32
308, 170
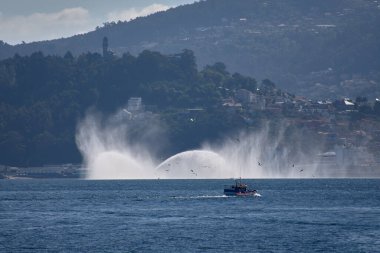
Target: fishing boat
239, 189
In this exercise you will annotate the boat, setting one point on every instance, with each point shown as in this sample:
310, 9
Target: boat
239, 189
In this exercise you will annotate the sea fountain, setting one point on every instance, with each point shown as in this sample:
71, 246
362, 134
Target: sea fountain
108, 154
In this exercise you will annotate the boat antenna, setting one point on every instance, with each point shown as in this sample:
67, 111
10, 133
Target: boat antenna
240, 172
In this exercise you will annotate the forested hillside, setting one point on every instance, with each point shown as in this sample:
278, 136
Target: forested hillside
42, 99
326, 48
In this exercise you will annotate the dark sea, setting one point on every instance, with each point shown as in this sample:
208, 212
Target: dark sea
322, 215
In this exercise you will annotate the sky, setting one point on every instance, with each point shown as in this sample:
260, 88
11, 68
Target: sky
36, 20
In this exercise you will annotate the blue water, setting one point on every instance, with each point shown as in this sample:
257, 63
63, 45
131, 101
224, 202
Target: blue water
189, 216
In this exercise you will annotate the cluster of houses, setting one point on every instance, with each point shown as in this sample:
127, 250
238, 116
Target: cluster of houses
277, 99
338, 123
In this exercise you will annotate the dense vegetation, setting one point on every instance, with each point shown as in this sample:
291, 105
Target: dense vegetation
326, 48
43, 97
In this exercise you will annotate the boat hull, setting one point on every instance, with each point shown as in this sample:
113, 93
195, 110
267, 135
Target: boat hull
240, 194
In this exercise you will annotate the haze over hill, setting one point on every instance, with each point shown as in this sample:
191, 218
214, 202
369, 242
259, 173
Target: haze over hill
314, 48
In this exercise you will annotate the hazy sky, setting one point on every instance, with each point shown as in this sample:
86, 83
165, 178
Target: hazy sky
34, 20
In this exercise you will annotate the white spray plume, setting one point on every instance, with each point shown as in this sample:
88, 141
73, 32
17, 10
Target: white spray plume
261, 155
109, 154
